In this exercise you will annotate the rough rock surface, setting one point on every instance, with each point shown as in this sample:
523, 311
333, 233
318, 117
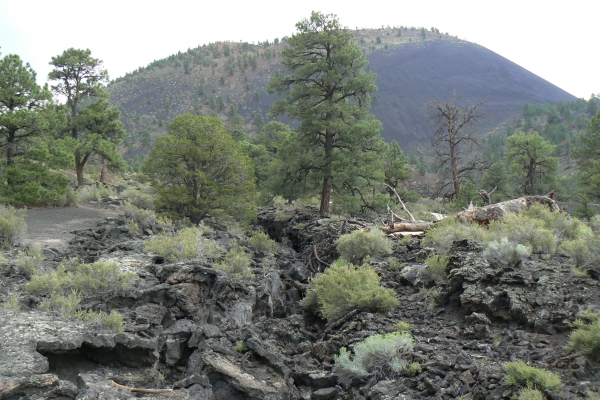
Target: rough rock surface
196, 330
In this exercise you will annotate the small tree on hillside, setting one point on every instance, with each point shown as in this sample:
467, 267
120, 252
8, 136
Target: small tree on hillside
453, 141
587, 155
199, 170
529, 156
79, 78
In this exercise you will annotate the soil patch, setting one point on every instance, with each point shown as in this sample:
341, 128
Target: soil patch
52, 227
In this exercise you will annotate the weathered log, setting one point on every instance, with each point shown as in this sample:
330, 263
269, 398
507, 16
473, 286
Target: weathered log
406, 226
132, 389
486, 214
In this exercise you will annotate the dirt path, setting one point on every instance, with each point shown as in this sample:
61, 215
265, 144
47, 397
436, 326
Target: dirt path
51, 227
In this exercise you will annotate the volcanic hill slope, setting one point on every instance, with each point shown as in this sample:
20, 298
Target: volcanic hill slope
413, 67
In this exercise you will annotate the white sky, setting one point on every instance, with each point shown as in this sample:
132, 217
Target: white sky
557, 40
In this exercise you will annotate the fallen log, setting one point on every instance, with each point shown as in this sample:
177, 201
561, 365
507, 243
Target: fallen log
486, 214
407, 226
132, 389
404, 227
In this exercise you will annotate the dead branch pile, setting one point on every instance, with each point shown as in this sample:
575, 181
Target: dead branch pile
484, 215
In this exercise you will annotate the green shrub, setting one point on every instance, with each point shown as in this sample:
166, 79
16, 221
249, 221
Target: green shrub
140, 197
586, 337
113, 320
436, 265
236, 262
524, 230
394, 264
344, 287
66, 305
591, 395
405, 241
140, 216
561, 224
30, 259
95, 193
412, 369
506, 253
261, 241
239, 346
595, 223
403, 327
531, 394
355, 246
187, 244
521, 375
578, 250
12, 226
82, 278
377, 356
448, 230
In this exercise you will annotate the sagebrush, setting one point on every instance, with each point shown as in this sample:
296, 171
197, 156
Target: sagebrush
344, 287
12, 226
355, 246
520, 374
377, 357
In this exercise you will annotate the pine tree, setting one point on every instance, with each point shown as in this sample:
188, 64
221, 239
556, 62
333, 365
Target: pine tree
328, 91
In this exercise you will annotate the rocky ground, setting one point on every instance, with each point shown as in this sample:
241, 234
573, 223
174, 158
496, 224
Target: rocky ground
193, 332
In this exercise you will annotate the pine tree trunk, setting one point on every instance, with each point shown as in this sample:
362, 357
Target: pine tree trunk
102, 170
79, 169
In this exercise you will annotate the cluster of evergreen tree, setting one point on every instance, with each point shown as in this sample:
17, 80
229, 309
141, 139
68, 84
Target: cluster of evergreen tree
39, 138
537, 153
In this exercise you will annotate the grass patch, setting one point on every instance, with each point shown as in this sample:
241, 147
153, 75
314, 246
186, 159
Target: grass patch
67, 306
82, 278
355, 246
344, 287
521, 375
12, 226
12, 303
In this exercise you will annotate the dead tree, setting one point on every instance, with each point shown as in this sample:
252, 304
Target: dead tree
485, 196
453, 138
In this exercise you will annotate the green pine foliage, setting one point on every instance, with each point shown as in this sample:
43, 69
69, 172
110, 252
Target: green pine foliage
199, 170
344, 287
328, 90
587, 156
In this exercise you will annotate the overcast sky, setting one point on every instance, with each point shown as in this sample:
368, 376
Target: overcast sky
557, 40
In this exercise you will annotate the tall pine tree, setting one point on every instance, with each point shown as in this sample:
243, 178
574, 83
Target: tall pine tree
327, 89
